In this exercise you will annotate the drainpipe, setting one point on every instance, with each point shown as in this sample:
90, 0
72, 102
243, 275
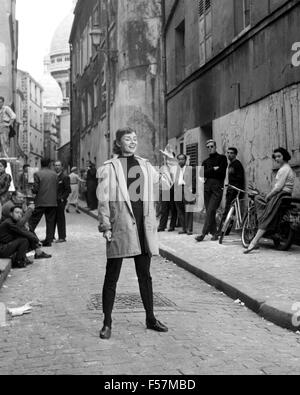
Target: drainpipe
108, 57
164, 70
71, 107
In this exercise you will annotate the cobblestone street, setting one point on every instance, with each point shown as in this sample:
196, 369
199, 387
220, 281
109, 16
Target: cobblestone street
209, 333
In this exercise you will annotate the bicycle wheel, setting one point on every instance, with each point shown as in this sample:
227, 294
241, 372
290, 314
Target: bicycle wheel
250, 228
286, 236
227, 225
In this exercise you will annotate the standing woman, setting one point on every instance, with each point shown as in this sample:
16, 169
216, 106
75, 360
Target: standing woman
267, 208
74, 197
5, 181
127, 219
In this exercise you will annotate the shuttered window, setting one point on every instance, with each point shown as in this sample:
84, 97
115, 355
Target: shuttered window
242, 15
205, 30
192, 151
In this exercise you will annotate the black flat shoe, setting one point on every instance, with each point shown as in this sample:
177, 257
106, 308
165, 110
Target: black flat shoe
157, 327
43, 255
255, 248
46, 244
105, 333
171, 230
199, 239
215, 238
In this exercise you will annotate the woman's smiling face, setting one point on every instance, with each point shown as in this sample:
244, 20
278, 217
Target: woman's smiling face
129, 144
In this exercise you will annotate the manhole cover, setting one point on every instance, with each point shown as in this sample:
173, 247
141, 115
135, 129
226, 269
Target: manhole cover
132, 302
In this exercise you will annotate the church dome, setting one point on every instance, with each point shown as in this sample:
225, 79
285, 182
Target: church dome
60, 41
52, 95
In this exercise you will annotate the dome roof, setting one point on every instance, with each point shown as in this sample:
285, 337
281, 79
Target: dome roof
60, 40
52, 95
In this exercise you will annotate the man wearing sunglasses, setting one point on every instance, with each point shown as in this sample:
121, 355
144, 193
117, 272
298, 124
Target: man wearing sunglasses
215, 169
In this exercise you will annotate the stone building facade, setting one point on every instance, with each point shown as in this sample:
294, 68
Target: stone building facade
59, 68
31, 136
232, 75
118, 83
8, 50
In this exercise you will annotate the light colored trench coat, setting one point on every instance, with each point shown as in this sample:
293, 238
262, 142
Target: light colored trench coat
115, 209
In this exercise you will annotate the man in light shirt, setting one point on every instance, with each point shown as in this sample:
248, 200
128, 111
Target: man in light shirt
7, 119
184, 194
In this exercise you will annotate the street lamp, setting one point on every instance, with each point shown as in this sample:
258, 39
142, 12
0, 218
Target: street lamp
96, 35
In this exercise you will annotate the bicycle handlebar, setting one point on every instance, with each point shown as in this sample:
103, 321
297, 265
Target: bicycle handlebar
242, 191
235, 188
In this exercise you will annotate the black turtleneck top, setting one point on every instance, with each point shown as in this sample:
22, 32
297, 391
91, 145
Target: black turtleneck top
215, 160
134, 177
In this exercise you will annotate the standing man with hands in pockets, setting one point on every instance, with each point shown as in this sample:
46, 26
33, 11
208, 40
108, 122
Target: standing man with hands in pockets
215, 169
63, 192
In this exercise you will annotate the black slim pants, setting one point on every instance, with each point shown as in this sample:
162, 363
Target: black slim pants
186, 218
61, 220
113, 270
50, 214
19, 247
213, 194
168, 205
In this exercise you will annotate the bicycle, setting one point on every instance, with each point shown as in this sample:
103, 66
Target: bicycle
235, 215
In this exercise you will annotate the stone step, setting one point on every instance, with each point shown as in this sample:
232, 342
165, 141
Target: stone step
5, 267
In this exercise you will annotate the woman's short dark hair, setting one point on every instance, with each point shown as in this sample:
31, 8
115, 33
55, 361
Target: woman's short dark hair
3, 163
119, 135
286, 155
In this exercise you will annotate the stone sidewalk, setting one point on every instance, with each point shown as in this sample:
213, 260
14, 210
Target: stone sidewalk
267, 281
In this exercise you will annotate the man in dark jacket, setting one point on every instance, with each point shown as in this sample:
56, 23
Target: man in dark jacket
215, 169
18, 201
63, 192
45, 189
15, 240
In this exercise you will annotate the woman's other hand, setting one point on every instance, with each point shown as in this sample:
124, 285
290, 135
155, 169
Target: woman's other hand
108, 236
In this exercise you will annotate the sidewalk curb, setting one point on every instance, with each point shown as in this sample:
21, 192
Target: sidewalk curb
279, 315
271, 311
87, 212
5, 268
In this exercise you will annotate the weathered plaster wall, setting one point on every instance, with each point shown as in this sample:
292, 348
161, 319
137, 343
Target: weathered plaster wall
94, 145
260, 128
6, 77
137, 97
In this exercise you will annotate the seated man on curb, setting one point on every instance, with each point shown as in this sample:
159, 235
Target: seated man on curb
16, 241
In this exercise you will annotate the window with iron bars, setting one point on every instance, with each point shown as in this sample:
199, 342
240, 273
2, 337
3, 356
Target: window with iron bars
205, 30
